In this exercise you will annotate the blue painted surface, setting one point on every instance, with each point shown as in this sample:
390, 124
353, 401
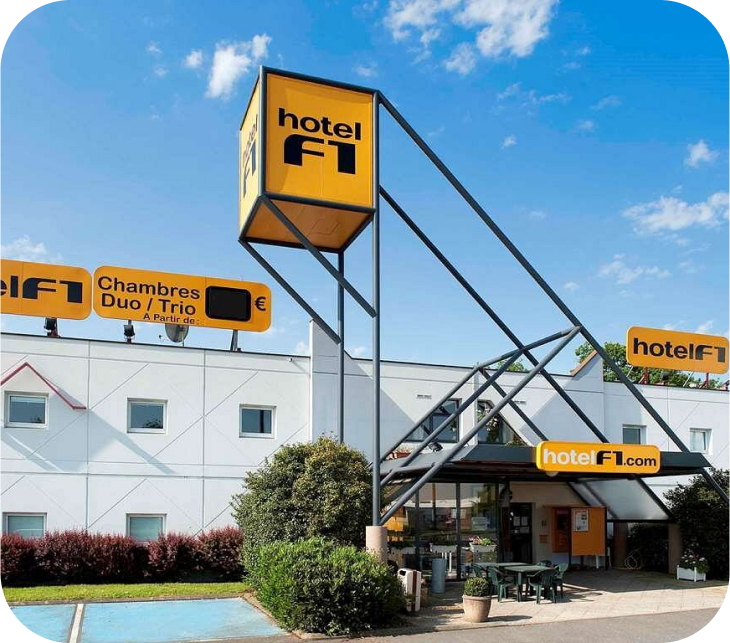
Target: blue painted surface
168, 621
49, 621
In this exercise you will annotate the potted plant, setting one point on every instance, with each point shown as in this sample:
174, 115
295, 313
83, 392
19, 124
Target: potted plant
692, 567
477, 600
479, 545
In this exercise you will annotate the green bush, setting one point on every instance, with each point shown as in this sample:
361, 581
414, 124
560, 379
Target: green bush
305, 490
703, 520
476, 587
651, 539
316, 585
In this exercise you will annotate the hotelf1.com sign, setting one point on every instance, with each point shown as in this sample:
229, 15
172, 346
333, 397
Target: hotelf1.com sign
595, 457
170, 298
308, 144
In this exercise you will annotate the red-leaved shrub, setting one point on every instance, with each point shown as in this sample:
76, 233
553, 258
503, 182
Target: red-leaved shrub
173, 556
117, 559
64, 556
220, 551
17, 560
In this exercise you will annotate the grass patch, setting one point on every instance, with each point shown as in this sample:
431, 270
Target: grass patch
136, 590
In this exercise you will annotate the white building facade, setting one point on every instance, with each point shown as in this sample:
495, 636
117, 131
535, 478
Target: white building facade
127, 438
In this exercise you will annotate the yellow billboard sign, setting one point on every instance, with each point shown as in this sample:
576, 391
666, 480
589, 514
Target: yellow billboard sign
597, 457
309, 145
44, 290
169, 298
675, 350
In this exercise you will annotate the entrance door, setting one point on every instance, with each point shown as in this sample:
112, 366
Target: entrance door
520, 533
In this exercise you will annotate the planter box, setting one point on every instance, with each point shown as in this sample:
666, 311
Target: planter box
690, 574
483, 549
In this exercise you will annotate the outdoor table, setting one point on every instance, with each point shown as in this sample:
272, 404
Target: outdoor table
521, 569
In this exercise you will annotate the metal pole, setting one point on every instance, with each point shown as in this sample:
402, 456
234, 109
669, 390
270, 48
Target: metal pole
448, 455
520, 412
376, 306
290, 290
341, 348
287, 223
487, 309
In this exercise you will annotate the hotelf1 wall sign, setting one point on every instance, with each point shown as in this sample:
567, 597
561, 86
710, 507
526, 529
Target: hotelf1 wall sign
597, 457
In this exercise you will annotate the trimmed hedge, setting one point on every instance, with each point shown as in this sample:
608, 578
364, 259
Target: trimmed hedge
316, 585
71, 557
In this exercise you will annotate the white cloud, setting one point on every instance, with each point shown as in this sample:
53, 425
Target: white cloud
699, 153
194, 59
302, 348
366, 71
539, 215
607, 101
585, 126
532, 97
572, 65
23, 249
463, 59
583, 51
571, 286
233, 60
509, 141
510, 90
689, 267
436, 132
160, 71
625, 274
705, 327
154, 49
500, 27
357, 351
669, 214
511, 27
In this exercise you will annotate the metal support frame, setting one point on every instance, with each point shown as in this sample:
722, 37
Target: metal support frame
341, 349
450, 453
376, 318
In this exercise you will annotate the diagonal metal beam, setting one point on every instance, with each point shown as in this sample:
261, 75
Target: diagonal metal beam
290, 290
523, 416
450, 453
317, 254
488, 309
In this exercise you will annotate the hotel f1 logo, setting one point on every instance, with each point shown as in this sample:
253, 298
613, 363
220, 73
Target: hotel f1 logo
597, 457
670, 349
44, 290
307, 144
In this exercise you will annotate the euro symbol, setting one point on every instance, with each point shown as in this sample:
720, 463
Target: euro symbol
260, 303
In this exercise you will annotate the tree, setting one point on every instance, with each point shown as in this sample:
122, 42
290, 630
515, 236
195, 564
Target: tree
514, 367
703, 520
306, 490
617, 352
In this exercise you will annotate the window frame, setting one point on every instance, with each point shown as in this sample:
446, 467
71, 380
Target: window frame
486, 406
29, 514
257, 407
708, 439
163, 530
25, 425
152, 430
642, 433
414, 440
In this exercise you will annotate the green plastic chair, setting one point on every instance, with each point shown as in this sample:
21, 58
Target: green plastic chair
502, 582
558, 578
546, 563
477, 571
542, 582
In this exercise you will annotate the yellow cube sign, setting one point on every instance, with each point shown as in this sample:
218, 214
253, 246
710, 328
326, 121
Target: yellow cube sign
44, 290
675, 350
308, 145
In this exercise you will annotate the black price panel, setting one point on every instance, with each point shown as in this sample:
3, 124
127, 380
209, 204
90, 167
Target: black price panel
233, 304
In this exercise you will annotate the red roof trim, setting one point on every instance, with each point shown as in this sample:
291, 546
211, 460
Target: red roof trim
47, 382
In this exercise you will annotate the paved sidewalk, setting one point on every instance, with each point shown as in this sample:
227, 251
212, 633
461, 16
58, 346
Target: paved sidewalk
588, 594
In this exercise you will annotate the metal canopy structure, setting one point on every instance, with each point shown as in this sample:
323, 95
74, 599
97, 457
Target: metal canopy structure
418, 469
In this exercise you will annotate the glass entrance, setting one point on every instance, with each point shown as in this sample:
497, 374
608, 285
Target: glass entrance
517, 532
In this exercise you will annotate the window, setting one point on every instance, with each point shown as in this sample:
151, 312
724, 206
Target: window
699, 440
634, 434
25, 525
449, 434
144, 527
256, 422
497, 430
146, 416
26, 411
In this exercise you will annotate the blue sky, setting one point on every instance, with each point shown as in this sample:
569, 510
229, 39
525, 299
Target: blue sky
596, 138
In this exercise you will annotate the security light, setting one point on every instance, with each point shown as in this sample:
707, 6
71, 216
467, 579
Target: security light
129, 331
51, 326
